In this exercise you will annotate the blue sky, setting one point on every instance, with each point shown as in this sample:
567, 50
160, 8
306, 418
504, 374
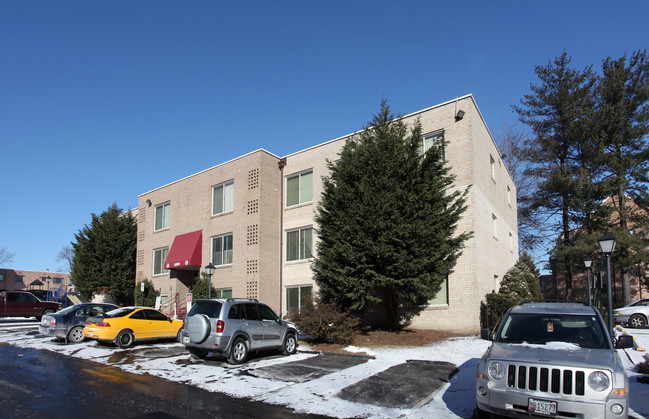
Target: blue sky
103, 101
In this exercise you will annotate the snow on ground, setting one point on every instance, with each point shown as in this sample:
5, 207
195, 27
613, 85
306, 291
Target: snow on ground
455, 399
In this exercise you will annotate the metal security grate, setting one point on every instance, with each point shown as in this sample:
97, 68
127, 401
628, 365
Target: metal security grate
552, 380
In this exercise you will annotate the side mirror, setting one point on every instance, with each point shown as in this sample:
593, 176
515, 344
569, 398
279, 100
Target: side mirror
624, 342
485, 334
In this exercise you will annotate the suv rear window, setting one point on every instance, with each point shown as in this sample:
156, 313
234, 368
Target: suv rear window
211, 309
581, 330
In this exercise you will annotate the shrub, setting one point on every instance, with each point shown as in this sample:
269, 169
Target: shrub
498, 304
325, 323
146, 298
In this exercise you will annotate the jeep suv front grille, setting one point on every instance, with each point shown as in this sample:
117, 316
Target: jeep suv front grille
553, 380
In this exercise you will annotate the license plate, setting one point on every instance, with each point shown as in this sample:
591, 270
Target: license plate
542, 407
185, 339
91, 334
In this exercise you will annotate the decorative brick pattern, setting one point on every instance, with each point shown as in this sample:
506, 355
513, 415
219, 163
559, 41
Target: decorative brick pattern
251, 289
252, 266
140, 235
140, 257
253, 206
252, 237
253, 179
141, 215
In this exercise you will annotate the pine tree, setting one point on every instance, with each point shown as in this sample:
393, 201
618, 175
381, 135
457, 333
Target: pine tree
559, 157
104, 256
387, 221
623, 96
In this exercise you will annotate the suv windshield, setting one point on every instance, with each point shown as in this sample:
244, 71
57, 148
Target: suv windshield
210, 308
582, 330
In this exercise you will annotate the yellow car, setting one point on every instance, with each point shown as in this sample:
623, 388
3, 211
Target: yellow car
126, 325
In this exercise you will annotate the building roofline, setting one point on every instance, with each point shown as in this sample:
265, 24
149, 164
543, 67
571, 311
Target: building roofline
38, 272
402, 117
210, 168
410, 115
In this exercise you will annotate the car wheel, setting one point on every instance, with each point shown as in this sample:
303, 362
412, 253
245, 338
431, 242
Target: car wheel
238, 352
125, 339
196, 353
198, 328
637, 321
290, 345
75, 335
179, 335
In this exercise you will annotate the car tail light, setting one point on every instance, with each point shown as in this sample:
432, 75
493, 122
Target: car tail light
103, 324
52, 322
88, 323
220, 326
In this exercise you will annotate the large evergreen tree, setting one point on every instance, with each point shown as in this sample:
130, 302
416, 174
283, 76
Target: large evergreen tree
104, 256
387, 221
623, 99
560, 155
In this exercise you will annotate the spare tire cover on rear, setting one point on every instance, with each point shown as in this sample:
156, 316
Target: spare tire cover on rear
198, 328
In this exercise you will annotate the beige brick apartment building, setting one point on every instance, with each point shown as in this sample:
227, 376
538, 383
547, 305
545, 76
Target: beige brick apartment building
253, 218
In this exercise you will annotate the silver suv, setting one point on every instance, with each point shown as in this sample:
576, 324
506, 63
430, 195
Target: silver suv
235, 326
553, 359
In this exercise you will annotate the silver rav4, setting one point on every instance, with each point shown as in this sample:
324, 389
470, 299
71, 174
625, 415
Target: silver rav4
235, 326
553, 359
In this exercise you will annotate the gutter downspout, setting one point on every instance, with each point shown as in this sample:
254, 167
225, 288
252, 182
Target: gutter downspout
281, 164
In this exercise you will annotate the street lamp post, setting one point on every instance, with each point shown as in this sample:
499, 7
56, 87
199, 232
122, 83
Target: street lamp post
209, 270
587, 263
48, 279
607, 243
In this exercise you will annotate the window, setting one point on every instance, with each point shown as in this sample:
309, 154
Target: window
297, 298
511, 242
299, 244
509, 196
19, 278
57, 280
222, 250
223, 293
159, 256
2, 277
223, 198
435, 139
441, 298
267, 313
494, 221
492, 163
299, 188
162, 216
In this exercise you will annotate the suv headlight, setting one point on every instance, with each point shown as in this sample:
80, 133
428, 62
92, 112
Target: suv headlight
496, 370
598, 381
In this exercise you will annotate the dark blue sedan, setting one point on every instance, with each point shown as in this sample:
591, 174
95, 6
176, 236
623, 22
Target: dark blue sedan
68, 324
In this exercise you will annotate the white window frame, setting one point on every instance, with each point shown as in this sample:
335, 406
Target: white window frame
494, 221
301, 243
434, 138
166, 216
299, 296
228, 192
221, 238
302, 197
219, 293
163, 257
441, 298
492, 164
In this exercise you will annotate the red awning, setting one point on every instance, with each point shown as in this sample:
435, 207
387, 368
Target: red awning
186, 251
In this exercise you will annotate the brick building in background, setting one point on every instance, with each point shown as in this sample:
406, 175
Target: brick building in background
20, 280
253, 218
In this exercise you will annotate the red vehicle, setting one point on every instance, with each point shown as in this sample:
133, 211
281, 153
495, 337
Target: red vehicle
24, 304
